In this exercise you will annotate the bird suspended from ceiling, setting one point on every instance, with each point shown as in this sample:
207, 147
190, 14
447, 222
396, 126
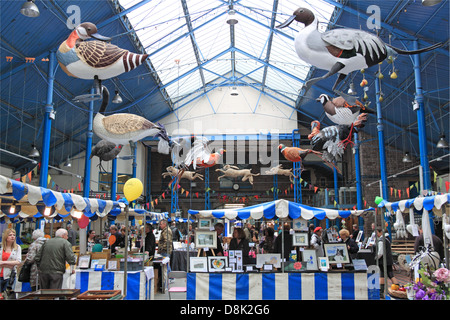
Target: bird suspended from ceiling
94, 59
343, 109
122, 128
105, 151
340, 51
295, 154
333, 140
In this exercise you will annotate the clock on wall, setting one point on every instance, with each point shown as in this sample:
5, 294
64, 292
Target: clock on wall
235, 187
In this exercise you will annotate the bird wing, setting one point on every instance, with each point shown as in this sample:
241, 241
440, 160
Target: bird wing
121, 123
200, 151
353, 39
102, 147
98, 54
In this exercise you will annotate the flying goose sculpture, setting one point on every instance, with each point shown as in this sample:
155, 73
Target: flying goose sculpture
340, 51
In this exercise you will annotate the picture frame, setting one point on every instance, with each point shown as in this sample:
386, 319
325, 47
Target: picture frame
198, 264
217, 263
204, 224
336, 253
310, 258
323, 263
300, 239
332, 235
114, 264
206, 239
358, 238
268, 258
84, 261
300, 224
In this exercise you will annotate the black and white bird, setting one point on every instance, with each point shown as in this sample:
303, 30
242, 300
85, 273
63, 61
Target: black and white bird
344, 109
105, 151
340, 51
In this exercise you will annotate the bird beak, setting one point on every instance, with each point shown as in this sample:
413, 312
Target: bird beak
98, 36
287, 22
318, 99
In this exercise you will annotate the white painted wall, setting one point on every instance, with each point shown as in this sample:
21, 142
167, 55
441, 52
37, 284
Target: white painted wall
220, 113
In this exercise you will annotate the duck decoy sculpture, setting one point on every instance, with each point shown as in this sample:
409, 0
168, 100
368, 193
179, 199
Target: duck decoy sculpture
295, 154
122, 128
340, 50
95, 59
343, 109
105, 151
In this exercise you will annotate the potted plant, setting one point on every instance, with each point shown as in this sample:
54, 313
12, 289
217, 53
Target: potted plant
432, 284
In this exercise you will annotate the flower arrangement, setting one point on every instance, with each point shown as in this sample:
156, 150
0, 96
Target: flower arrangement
432, 285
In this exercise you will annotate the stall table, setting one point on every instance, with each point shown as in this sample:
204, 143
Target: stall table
347, 285
178, 259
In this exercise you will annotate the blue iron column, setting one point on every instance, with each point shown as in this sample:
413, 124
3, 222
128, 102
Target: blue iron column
207, 190
359, 200
421, 127
87, 160
297, 168
47, 121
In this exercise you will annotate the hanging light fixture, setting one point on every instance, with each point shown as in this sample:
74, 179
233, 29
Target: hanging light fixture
429, 3
234, 91
232, 17
30, 9
351, 89
34, 153
442, 143
12, 209
117, 98
407, 157
47, 211
68, 162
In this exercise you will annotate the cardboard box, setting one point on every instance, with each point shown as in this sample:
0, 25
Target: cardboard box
100, 255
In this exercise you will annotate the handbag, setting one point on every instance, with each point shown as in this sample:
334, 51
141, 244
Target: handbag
25, 271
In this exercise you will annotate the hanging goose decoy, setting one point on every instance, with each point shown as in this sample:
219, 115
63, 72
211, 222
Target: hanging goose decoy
94, 59
122, 128
105, 151
340, 51
344, 109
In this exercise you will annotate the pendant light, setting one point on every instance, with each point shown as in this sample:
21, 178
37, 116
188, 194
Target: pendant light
234, 91
30, 9
442, 143
68, 162
232, 17
117, 98
34, 153
407, 157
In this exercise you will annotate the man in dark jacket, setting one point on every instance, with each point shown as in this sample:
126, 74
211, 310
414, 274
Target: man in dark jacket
51, 260
150, 241
118, 237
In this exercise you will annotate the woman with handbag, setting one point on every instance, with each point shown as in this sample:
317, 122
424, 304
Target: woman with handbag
11, 256
39, 240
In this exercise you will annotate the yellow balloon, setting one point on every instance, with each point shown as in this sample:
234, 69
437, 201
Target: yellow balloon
132, 189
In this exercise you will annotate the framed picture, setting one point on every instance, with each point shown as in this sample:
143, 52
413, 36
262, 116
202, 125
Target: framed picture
217, 264
198, 264
336, 253
84, 261
300, 239
310, 258
300, 224
268, 258
358, 238
206, 239
323, 263
114, 264
332, 235
204, 224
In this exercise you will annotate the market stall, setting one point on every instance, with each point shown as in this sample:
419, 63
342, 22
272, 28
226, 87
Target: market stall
23, 201
285, 279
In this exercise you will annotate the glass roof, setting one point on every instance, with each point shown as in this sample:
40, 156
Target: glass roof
192, 48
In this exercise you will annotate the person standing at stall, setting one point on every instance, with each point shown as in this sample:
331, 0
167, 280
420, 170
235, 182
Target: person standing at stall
149, 241
52, 258
39, 239
239, 242
11, 256
382, 250
316, 242
278, 244
118, 237
352, 247
165, 245
72, 235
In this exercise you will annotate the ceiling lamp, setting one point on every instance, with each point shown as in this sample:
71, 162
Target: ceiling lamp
30, 9
232, 18
117, 98
68, 162
351, 89
34, 153
429, 3
442, 143
234, 91
407, 157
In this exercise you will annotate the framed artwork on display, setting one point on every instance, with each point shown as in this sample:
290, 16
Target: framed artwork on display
268, 258
300, 224
198, 264
84, 261
205, 239
323, 263
310, 258
217, 264
300, 239
336, 253
204, 224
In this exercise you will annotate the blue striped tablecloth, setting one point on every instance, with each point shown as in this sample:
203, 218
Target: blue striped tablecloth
283, 286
